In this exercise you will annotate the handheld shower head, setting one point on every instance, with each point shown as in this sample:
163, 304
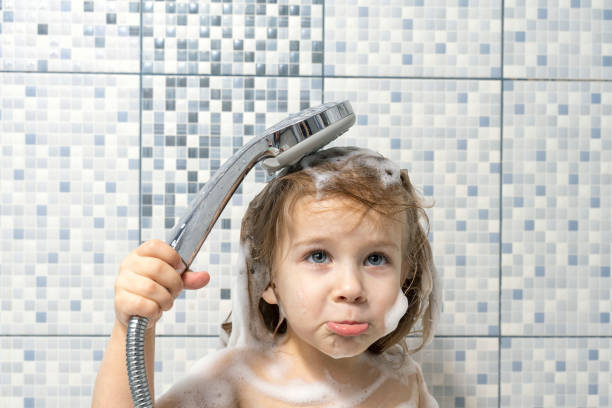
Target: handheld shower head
280, 146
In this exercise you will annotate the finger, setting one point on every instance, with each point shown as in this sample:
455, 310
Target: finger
160, 272
195, 280
159, 249
149, 289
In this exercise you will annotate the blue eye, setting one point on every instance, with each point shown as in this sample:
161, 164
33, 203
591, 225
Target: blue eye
318, 256
376, 260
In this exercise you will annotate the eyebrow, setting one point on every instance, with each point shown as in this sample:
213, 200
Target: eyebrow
318, 240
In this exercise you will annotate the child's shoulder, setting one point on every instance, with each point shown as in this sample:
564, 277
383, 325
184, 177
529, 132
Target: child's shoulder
211, 382
405, 383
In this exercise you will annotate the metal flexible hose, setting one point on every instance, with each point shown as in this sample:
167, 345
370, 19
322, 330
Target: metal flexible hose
137, 373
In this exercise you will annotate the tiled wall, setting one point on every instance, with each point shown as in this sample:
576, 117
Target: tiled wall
113, 114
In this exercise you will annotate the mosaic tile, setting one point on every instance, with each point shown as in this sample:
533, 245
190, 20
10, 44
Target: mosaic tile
543, 372
239, 37
461, 372
191, 125
69, 185
413, 38
558, 39
61, 371
446, 134
60, 35
557, 200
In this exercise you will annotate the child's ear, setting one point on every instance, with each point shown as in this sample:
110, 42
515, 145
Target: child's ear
269, 295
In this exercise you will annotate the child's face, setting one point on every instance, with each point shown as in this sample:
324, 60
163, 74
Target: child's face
337, 275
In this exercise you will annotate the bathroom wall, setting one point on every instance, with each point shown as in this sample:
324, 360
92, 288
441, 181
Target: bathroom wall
114, 113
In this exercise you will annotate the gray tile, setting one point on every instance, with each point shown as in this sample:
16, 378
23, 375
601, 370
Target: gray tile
57, 35
241, 37
413, 38
69, 213
556, 372
557, 200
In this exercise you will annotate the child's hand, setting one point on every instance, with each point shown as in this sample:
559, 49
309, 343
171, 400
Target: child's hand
148, 282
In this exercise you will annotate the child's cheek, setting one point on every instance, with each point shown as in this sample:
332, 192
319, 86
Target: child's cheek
300, 301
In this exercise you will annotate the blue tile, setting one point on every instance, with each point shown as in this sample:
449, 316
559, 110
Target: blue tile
542, 60
28, 355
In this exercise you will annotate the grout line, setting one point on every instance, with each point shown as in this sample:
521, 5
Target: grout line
140, 132
104, 335
438, 78
68, 72
323, 58
445, 336
501, 208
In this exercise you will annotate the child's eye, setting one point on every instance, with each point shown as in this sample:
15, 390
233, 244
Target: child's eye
318, 256
376, 259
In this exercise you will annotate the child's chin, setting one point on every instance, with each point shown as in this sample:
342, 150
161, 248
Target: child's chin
342, 352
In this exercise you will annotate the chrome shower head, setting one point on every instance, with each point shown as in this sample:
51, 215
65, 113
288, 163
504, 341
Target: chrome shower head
280, 146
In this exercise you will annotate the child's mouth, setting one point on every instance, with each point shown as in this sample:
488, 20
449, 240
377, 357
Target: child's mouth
346, 328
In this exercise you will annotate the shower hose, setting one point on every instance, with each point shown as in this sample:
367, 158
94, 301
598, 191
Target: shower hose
137, 373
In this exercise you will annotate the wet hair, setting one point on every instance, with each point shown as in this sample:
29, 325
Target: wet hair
373, 182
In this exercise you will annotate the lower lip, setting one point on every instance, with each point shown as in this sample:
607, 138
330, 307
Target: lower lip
347, 329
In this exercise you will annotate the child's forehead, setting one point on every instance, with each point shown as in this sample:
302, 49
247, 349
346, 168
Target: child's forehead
330, 212
311, 205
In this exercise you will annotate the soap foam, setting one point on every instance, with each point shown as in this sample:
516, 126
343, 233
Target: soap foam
393, 315
349, 158
328, 393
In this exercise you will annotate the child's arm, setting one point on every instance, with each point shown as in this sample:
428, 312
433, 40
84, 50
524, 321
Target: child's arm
112, 388
146, 286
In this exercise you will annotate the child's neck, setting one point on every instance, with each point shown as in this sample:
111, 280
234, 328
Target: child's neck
310, 364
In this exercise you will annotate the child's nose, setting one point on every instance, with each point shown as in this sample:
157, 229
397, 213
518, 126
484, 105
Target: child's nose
349, 286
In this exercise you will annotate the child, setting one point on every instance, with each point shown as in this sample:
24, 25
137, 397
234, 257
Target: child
337, 271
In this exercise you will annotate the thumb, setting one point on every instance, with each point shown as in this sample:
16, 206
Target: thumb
195, 280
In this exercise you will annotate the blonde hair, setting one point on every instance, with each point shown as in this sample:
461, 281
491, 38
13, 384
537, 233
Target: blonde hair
375, 183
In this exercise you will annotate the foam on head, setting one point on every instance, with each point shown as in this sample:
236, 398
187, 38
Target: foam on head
347, 158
